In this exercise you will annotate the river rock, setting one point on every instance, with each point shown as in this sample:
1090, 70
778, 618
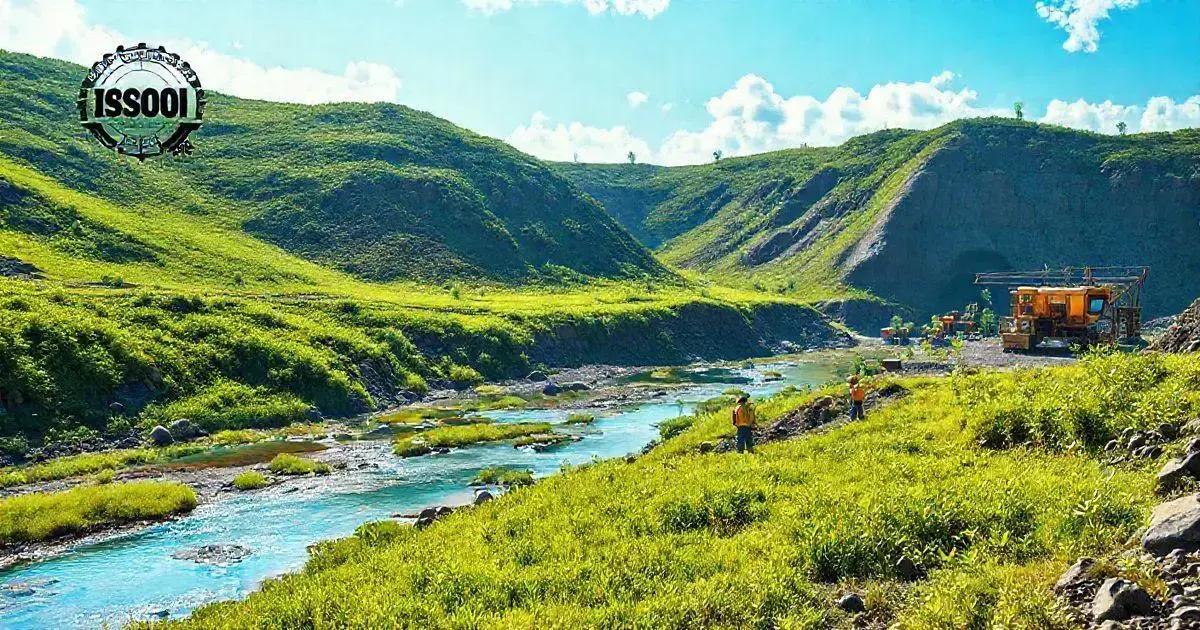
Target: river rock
184, 429
1075, 574
216, 555
551, 389
1119, 599
851, 603
381, 431
161, 436
1174, 525
1187, 614
575, 386
537, 376
1174, 472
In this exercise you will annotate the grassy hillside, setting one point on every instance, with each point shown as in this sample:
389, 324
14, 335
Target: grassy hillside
909, 217
379, 191
289, 269
685, 539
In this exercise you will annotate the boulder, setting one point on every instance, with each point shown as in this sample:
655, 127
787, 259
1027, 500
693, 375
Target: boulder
116, 408
1137, 441
1112, 445
1174, 525
851, 603
1075, 574
160, 436
429, 512
312, 414
1187, 614
1119, 599
551, 389
907, 570
483, 497
381, 431
1168, 430
537, 376
1194, 446
184, 429
1178, 470
215, 555
575, 386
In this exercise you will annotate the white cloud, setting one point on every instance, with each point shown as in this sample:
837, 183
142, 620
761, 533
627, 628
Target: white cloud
1080, 19
1160, 113
667, 107
565, 142
645, 8
751, 117
61, 29
636, 99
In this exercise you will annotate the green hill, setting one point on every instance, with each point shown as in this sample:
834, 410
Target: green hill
380, 191
331, 259
908, 217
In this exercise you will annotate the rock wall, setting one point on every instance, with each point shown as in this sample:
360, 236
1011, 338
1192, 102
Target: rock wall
1007, 201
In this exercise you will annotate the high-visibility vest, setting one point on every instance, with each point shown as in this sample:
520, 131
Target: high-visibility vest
743, 416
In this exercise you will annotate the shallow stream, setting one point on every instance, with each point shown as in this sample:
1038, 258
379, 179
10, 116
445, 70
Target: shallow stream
136, 576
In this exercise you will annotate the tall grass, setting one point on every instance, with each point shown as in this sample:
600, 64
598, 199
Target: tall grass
680, 539
453, 436
43, 516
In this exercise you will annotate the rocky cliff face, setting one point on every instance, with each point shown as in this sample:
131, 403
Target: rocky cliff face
1003, 201
901, 221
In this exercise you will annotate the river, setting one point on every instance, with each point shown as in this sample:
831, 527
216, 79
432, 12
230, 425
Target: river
135, 576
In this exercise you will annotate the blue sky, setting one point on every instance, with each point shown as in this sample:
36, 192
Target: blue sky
563, 77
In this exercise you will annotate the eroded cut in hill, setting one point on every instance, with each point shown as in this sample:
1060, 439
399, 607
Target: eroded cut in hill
907, 218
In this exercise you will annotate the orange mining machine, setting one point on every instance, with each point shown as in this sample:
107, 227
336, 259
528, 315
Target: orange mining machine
1084, 306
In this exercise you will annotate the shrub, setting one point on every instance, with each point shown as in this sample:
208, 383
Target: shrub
288, 464
504, 477
668, 429
250, 480
580, 418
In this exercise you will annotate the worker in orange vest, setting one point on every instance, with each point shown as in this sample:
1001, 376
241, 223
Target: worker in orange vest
858, 393
743, 419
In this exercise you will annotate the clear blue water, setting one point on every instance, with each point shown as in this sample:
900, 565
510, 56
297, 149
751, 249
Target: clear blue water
135, 576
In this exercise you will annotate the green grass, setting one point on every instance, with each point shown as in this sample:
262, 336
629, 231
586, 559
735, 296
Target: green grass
288, 464
682, 539
580, 418
455, 436
44, 516
87, 463
497, 475
249, 480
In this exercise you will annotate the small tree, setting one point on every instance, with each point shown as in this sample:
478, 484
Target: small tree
988, 322
717, 155
1019, 110
1121, 127
985, 297
632, 157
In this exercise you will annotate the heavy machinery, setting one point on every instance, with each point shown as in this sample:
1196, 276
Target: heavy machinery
1084, 306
